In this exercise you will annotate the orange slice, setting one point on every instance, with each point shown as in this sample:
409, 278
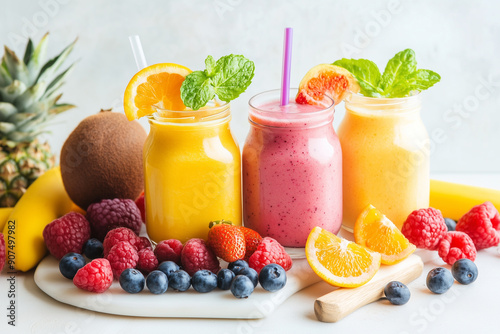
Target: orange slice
376, 232
156, 86
338, 261
326, 79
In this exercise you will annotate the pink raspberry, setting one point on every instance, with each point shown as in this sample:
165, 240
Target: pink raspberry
145, 243
269, 251
147, 261
120, 234
112, 213
122, 256
2, 252
455, 246
95, 276
424, 228
66, 234
140, 204
482, 224
169, 250
197, 256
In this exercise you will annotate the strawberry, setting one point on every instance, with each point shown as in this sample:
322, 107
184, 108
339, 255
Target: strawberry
226, 240
252, 240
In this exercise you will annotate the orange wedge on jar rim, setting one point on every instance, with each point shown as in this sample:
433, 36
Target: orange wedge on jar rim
156, 86
376, 232
323, 81
338, 261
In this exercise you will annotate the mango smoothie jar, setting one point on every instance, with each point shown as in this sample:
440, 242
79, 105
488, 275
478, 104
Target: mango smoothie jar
385, 154
192, 172
292, 170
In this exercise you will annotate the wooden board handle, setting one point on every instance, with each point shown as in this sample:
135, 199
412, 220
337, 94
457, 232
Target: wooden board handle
337, 304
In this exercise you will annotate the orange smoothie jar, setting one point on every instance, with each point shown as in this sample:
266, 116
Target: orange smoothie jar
192, 173
385, 154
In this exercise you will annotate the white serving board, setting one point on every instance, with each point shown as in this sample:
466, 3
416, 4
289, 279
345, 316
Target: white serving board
172, 304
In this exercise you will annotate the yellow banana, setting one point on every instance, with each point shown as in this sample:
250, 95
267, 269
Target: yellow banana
454, 200
4, 215
45, 200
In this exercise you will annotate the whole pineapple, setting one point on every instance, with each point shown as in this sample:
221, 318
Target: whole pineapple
28, 101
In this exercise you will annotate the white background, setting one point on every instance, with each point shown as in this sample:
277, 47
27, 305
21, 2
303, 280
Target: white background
458, 39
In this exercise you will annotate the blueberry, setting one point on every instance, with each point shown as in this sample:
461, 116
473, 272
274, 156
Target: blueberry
157, 282
252, 274
168, 267
450, 224
464, 271
242, 286
224, 279
132, 280
70, 264
179, 280
93, 249
238, 269
272, 277
439, 280
204, 281
397, 293
237, 263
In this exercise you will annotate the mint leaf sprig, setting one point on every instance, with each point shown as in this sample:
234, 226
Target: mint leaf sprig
399, 79
227, 78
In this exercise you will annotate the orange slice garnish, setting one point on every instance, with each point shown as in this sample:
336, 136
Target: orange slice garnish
326, 80
155, 87
376, 232
338, 261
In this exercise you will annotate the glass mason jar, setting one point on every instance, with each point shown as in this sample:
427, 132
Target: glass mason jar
292, 170
385, 149
192, 173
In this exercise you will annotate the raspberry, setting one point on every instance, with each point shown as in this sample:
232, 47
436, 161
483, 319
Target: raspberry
269, 251
169, 250
120, 234
66, 234
145, 243
455, 246
112, 213
95, 276
196, 256
147, 261
122, 256
140, 204
2, 252
481, 223
424, 228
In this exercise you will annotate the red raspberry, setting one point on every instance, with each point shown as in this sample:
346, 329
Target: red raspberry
147, 261
455, 246
96, 276
66, 234
169, 250
122, 256
145, 243
120, 234
481, 223
140, 204
112, 213
269, 251
197, 256
2, 252
424, 228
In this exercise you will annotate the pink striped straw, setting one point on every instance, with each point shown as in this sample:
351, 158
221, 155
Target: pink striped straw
287, 64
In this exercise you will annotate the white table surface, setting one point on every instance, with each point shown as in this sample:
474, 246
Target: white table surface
463, 309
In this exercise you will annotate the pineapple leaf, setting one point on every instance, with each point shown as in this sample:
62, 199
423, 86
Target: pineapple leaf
5, 78
58, 81
16, 68
6, 110
59, 108
6, 128
53, 65
30, 96
37, 58
12, 91
28, 52
20, 119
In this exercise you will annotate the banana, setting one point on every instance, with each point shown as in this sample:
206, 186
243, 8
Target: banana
4, 215
454, 200
45, 200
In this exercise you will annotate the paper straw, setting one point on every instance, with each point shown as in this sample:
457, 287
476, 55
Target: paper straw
287, 63
135, 43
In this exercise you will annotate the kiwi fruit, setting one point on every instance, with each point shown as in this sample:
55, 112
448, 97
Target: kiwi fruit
102, 159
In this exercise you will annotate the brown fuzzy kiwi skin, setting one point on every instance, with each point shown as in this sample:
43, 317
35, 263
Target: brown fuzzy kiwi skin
102, 159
